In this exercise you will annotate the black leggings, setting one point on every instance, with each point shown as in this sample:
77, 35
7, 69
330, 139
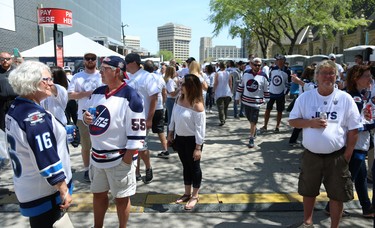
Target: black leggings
191, 169
47, 219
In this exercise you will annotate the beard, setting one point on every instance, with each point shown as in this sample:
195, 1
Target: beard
90, 66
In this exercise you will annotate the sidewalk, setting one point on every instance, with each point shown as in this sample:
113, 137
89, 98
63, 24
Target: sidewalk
241, 187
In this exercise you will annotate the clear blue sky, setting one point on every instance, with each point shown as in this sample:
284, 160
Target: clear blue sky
144, 16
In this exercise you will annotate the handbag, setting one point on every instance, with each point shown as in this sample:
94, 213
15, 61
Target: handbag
63, 222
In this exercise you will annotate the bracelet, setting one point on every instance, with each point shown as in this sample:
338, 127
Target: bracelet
197, 149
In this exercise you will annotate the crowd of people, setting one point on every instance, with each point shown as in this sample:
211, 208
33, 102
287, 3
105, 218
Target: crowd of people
332, 108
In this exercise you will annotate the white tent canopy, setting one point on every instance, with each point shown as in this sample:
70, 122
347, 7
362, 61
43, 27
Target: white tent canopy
75, 45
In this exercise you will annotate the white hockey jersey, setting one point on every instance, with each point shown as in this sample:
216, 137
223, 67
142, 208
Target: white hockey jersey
119, 125
253, 89
37, 146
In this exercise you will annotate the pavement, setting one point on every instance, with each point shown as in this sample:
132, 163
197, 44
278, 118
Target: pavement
241, 187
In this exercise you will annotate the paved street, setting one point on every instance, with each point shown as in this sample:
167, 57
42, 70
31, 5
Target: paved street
241, 187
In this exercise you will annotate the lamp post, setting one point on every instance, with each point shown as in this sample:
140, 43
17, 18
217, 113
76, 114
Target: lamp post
123, 37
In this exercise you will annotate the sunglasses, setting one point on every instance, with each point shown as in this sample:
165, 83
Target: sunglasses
92, 58
7, 59
257, 65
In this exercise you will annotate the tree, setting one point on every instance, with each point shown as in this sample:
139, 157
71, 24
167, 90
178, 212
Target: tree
282, 21
167, 55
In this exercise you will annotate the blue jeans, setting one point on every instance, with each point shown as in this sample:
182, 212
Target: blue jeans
169, 106
357, 168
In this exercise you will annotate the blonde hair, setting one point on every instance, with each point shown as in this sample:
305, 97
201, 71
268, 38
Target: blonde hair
195, 68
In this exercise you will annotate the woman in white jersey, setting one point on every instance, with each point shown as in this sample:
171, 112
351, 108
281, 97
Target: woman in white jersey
188, 124
37, 145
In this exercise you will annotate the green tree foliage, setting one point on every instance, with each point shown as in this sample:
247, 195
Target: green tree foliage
167, 55
282, 21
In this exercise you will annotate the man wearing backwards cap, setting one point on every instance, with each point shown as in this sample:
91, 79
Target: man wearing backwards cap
80, 89
116, 133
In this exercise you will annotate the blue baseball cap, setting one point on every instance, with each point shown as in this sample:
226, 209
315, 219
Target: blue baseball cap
115, 61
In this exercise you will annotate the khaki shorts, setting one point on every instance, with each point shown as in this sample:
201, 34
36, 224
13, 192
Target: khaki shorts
84, 136
330, 169
119, 179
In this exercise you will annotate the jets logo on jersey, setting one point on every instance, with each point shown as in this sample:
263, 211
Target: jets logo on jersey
252, 85
35, 117
277, 80
101, 122
357, 99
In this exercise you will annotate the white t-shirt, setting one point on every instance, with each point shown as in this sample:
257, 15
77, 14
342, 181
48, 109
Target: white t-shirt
82, 82
146, 84
159, 78
171, 86
57, 104
342, 115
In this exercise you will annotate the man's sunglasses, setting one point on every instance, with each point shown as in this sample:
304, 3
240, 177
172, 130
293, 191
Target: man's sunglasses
92, 59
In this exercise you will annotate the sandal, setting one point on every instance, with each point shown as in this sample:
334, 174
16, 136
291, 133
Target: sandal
191, 203
183, 198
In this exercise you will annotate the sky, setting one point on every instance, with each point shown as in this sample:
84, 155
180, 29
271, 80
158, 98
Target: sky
144, 16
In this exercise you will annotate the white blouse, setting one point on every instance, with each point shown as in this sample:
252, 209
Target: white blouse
187, 122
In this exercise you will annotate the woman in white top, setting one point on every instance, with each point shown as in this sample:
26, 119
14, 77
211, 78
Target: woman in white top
172, 91
223, 92
188, 123
56, 103
210, 91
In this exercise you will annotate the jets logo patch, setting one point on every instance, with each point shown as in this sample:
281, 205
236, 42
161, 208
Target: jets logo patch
35, 118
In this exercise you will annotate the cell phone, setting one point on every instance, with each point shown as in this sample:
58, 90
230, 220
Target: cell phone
16, 52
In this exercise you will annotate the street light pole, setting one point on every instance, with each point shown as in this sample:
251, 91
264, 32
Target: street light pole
123, 37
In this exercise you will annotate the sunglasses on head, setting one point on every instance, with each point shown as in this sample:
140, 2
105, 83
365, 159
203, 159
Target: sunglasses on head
92, 58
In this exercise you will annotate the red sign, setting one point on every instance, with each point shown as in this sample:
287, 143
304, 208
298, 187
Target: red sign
51, 16
59, 57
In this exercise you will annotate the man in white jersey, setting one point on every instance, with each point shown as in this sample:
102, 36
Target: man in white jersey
252, 92
116, 132
279, 85
149, 88
80, 89
330, 121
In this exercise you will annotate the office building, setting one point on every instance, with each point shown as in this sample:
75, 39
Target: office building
132, 42
175, 38
209, 53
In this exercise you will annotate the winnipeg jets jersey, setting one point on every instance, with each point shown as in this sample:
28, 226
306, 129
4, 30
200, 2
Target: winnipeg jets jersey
38, 148
279, 82
119, 125
253, 89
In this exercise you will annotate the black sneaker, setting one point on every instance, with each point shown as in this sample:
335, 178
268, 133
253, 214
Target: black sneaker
163, 154
368, 213
149, 176
86, 176
138, 177
251, 142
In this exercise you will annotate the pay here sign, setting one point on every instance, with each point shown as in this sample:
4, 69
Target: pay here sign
51, 16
